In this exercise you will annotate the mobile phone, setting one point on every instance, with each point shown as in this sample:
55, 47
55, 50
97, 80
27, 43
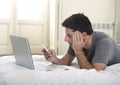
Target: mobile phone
44, 47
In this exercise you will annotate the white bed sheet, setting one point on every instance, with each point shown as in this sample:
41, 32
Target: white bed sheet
49, 74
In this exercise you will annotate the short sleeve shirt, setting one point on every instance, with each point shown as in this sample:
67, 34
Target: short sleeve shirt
103, 50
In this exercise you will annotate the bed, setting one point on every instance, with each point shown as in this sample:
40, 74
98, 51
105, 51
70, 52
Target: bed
50, 74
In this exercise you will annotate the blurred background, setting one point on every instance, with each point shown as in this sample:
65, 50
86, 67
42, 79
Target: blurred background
40, 21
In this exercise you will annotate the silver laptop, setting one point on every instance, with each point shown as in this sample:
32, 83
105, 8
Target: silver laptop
21, 50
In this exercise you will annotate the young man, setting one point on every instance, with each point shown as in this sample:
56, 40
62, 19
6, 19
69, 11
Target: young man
92, 49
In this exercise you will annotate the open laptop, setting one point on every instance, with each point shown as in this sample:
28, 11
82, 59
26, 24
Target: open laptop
21, 50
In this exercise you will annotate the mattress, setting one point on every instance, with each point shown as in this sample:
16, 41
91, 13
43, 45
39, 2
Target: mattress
51, 74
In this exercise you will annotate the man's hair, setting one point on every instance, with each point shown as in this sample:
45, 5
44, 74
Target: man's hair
78, 22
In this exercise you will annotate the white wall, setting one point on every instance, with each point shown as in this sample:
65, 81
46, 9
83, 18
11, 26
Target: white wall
96, 10
117, 31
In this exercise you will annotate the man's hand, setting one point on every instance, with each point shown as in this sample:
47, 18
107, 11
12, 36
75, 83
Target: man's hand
50, 55
78, 42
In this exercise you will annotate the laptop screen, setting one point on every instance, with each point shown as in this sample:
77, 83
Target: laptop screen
21, 50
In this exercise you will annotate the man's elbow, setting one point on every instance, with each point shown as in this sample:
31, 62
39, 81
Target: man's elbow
99, 66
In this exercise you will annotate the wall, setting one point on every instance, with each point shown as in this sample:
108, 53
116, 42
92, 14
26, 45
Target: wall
117, 32
96, 10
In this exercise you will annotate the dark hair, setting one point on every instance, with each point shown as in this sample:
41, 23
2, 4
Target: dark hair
78, 22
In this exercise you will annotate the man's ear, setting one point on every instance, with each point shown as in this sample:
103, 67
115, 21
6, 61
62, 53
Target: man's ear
84, 34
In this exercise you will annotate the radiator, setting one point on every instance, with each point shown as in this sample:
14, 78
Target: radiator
106, 27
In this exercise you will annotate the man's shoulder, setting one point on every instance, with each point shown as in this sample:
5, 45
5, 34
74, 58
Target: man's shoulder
102, 38
100, 35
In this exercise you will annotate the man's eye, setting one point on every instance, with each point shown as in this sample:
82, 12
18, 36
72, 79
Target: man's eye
69, 36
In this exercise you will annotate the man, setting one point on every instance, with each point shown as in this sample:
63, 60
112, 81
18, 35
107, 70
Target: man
92, 49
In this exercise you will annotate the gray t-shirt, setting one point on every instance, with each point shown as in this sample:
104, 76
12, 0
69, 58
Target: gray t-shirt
103, 50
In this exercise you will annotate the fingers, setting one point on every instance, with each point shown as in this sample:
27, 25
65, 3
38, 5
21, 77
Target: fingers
77, 37
49, 55
46, 53
78, 43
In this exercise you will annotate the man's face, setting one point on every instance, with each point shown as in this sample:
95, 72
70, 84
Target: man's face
68, 36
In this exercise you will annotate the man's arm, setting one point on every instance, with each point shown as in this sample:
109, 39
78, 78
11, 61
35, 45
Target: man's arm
84, 63
66, 60
78, 44
51, 56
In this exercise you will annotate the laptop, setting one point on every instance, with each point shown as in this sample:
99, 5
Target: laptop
21, 50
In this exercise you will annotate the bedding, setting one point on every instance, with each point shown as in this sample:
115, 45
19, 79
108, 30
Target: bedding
50, 74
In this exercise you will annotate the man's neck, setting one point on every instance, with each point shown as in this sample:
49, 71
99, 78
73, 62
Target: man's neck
89, 42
